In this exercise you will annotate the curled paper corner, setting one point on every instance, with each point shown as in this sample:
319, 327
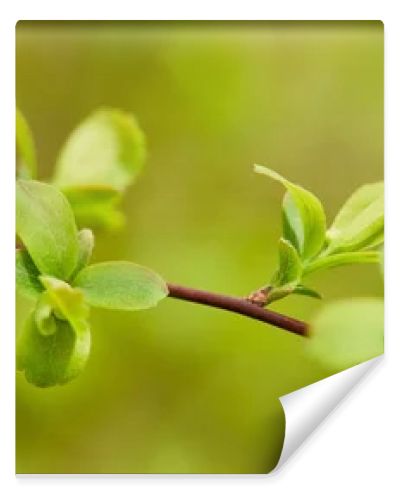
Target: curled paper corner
306, 408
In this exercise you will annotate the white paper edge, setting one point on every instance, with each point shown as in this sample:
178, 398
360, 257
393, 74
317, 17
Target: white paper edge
306, 408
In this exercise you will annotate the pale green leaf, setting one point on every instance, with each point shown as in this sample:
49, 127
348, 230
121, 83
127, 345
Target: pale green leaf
55, 343
308, 292
292, 222
107, 148
341, 259
360, 222
49, 360
46, 225
68, 303
26, 153
44, 317
96, 206
348, 332
290, 267
304, 216
288, 275
275, 293
27, 275
120, 285
86, 245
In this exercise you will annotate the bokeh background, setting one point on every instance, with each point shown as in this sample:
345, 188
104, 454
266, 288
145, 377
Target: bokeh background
185, 388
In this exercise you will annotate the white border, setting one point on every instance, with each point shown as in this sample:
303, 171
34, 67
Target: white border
349, 455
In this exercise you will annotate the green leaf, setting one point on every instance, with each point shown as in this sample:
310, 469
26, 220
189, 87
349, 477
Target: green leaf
303, 214
308, 292
292, 222
360, 222
48, 360
44, 317
120, 285
55, 344
107, 148
288, 275
341, 259
68, 303
86, 245
27, 275
275, 293
290, 267
348, 332
96, 206
26, 153
46, 225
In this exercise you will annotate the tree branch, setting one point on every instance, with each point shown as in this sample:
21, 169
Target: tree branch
239, 306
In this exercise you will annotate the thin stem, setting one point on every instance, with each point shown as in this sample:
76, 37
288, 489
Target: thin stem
239, 306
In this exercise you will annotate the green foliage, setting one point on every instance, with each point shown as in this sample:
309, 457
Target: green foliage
67, 302
289, 272
340, 259
100, 159
357, 228
307, 292
43, 315
289, 264
45, 224
86, 245
359, 224
107, 148
26, 275
304, 216
348, 332
53, 359
53, 271
55, 344
26, 153
120, 285
96, 206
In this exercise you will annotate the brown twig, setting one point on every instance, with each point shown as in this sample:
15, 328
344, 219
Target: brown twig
239, 306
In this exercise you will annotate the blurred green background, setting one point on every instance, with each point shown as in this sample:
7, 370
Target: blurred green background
185, 388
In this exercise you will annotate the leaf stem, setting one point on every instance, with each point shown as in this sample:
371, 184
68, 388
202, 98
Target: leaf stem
239, 306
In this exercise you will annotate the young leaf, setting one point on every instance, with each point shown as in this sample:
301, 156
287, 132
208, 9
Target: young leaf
68, 303
27, 275
55, 344
347, 332
290, 267
86, 244
288, 275
292, 222
304, 216
308, 292
341, 259
48, 360
26, 153
96, 206
120, 285
360, 222
107, 148
46, 225
44, 317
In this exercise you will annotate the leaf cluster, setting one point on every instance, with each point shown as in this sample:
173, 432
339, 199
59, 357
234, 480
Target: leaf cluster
53, 269
100, 159
307, 245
